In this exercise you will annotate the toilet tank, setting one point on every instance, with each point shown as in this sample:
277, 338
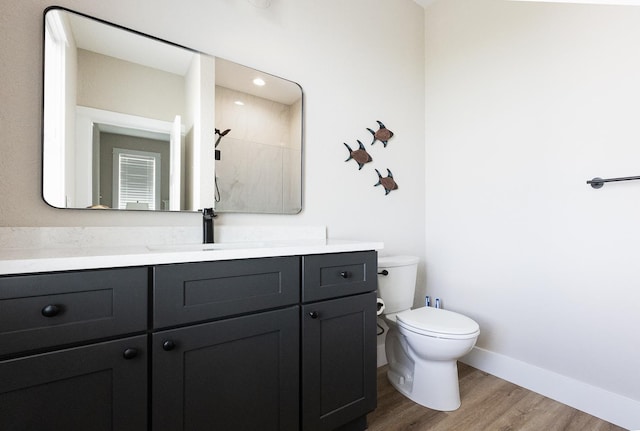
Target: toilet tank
397, 288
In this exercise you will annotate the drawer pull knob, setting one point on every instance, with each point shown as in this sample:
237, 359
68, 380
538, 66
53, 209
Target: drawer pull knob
345, 274
313, 314
168, 345
51, 310
130, 353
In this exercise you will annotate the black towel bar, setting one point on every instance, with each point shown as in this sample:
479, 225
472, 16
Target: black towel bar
597, 183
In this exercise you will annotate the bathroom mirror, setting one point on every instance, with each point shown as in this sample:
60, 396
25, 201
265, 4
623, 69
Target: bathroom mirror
132, 122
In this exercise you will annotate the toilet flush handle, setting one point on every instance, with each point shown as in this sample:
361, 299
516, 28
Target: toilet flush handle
384, 272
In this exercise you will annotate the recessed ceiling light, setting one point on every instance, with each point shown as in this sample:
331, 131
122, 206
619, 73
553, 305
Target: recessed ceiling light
239, 102
259, 82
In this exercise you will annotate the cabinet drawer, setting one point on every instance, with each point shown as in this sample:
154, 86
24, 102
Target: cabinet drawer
340, 274
192, 292
44, 310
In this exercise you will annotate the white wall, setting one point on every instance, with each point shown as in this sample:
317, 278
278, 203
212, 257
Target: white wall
524, 103
358, 61
199, 122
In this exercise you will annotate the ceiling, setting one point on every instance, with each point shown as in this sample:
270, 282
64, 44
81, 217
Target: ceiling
425, 3
602, 2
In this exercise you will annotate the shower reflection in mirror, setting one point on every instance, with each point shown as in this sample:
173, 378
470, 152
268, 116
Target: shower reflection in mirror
260, 148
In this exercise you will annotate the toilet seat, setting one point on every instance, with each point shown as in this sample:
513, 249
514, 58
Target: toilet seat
439, 323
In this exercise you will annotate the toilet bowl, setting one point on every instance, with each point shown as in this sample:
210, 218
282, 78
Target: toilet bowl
423, 344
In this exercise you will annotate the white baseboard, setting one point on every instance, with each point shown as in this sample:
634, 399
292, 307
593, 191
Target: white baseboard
611, 407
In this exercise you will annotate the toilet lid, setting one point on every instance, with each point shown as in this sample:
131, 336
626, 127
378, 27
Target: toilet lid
436, 321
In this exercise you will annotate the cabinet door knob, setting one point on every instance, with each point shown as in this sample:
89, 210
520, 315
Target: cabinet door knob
130, 353
313, 314
51, 310
345, 274
168, 345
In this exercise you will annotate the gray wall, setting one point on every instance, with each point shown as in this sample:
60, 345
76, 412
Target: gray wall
109, 141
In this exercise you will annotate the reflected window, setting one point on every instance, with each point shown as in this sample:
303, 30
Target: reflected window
136, 178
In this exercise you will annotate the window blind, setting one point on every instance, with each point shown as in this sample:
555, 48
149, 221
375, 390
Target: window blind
138, 174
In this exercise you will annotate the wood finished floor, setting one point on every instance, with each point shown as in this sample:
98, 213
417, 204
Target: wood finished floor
488, 404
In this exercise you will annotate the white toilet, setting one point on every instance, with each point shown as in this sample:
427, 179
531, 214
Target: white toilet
423, 344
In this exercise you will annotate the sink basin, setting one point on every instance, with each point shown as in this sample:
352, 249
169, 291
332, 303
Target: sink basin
206, 247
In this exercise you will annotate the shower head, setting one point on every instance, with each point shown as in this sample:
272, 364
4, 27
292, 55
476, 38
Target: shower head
220, 135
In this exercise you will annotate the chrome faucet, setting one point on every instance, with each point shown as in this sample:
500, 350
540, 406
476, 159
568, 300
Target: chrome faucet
207, 225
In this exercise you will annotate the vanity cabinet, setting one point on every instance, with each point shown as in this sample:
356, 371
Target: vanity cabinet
240, 371
272, 343
338, 341
56, 370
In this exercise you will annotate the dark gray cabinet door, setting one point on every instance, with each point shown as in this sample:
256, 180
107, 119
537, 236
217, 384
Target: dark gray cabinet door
193, 292
235, 374
338, 361
99, 387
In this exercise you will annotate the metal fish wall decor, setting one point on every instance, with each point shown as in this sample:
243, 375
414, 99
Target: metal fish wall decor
382, 134
388, 183
362, 157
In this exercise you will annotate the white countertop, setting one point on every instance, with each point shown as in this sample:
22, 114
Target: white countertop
32, 260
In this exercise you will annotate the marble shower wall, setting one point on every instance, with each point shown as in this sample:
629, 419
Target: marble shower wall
259, 156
